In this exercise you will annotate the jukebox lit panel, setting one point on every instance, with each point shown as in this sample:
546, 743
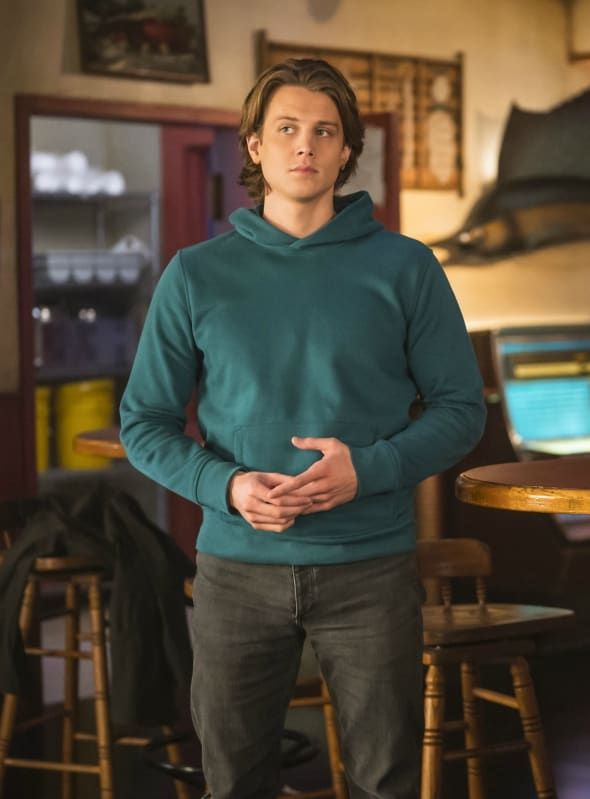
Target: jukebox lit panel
545, 384
544, 380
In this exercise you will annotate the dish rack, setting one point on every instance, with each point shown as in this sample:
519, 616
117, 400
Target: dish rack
83, 267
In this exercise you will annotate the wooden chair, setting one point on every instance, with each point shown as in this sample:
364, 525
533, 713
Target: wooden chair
464, 636
75, 574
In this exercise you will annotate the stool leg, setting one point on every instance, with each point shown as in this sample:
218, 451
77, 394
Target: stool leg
432, 747
103, 725
25, 619
173, 752
7, 719
533, 731
10, 702
71, 666
333, 745
473, 737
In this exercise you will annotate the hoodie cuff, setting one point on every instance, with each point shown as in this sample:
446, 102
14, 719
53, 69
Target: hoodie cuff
377, 469
212, 485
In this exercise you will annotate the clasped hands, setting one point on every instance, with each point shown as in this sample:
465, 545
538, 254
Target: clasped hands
272, 501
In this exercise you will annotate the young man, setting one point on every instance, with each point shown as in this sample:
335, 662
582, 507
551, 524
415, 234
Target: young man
308, 331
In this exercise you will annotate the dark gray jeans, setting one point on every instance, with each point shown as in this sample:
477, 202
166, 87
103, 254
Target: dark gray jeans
364, 622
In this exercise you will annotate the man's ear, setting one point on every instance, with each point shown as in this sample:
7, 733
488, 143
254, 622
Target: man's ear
253, 143
346, 151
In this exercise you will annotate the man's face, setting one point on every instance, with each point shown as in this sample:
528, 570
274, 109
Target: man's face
301, 147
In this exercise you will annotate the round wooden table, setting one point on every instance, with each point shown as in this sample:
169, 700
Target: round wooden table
105, 442
557, 485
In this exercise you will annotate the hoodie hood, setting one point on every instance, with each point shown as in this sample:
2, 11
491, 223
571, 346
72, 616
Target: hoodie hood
353, 220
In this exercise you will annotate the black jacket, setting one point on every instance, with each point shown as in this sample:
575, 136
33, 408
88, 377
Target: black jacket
150, 645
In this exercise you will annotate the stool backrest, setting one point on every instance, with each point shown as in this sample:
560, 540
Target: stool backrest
446, 558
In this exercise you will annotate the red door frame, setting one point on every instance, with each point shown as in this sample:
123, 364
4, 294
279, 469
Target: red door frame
184, 156
184, 186
389, 212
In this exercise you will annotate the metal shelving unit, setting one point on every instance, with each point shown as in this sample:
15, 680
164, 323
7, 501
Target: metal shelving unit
112, 306
74, 278
105, 204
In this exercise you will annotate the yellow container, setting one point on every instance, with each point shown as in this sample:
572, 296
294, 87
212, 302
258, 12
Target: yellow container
42, 398
87, 405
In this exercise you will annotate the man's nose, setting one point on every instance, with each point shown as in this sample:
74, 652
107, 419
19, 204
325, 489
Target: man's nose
305, 145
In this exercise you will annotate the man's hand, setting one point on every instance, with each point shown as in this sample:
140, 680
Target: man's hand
328, 482
249, 494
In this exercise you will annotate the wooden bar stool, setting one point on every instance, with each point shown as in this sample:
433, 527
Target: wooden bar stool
76, 575
465, 636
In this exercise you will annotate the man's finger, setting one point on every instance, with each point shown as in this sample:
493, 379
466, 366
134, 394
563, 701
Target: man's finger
289, 487
310, 489
291, 500
298, 481
318, 497
270, 511
272, 528
318, 507
271, 482
270, 518
272, 479
308, 442
257, 518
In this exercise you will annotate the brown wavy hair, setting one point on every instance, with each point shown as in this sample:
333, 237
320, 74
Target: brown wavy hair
317, 76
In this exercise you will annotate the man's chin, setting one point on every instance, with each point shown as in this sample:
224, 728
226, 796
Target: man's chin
312, 196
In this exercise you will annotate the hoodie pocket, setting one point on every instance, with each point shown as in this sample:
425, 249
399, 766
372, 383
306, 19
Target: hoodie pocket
267, 447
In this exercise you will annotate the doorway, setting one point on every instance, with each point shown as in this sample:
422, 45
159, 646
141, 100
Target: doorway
90, 253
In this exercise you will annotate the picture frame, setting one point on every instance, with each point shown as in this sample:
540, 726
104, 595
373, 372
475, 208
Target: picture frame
161, 40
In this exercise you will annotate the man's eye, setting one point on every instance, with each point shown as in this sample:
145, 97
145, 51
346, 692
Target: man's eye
286, 129
323, 132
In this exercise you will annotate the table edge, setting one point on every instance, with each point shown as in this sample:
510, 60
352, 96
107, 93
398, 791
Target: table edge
506, 496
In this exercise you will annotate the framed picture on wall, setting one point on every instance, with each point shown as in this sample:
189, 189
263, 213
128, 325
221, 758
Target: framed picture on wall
152, 39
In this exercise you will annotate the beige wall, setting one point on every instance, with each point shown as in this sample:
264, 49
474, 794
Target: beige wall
514, 51
578, 77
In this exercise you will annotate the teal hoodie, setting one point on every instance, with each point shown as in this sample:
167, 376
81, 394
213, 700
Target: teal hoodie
332, 334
